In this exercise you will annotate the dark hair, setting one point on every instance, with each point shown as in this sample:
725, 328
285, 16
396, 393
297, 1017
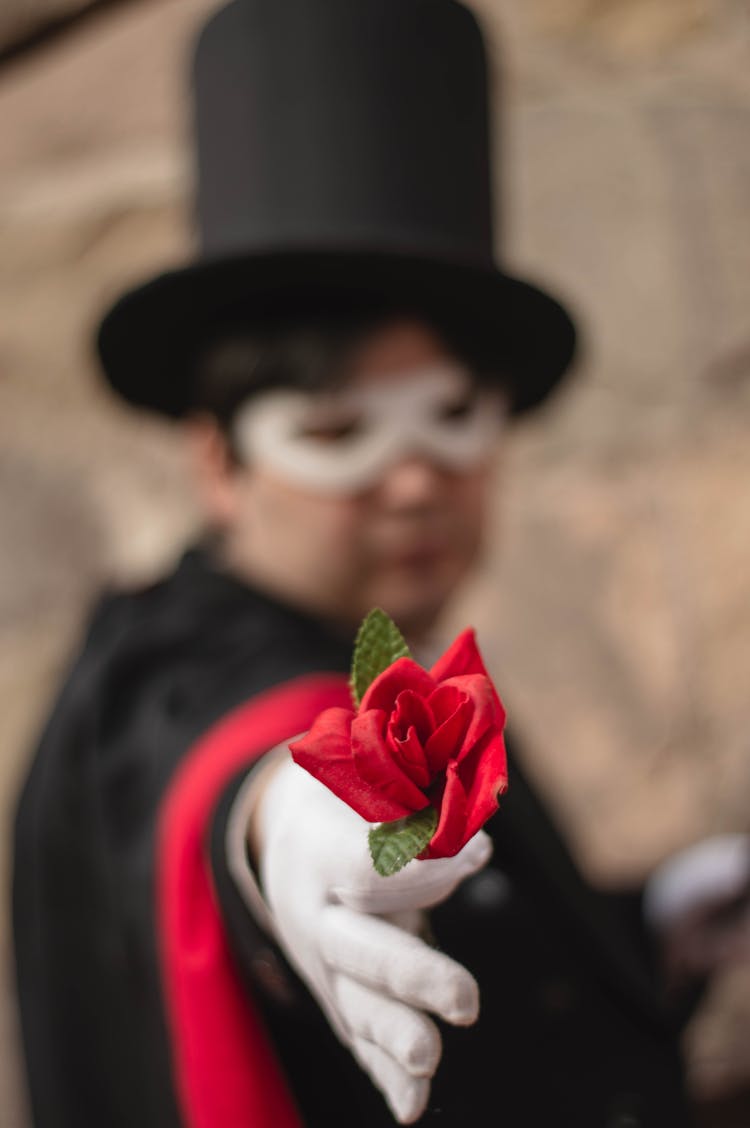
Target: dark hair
240, 360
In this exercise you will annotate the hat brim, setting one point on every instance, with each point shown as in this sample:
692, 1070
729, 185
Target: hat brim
148, 340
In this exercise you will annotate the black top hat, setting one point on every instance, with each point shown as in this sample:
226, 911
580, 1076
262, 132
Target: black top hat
342, 154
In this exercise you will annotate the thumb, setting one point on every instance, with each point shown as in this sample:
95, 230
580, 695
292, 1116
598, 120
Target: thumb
419, 885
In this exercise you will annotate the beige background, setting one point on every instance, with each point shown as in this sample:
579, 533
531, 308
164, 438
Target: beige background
614, 605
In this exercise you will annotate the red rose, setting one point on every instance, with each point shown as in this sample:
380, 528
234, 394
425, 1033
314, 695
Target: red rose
419, 738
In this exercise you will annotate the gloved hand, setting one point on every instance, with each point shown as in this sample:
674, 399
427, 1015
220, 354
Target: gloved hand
351, 934
698, 902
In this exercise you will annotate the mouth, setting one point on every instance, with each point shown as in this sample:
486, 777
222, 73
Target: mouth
420, 555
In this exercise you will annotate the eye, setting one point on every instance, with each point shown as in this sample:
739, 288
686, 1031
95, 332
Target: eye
458, 409
331, 431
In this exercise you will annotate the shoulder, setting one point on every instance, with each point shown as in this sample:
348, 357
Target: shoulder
198, 643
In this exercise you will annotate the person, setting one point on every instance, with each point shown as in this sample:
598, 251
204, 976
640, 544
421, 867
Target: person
200, 938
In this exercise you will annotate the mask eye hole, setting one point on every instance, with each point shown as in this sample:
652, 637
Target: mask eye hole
328, 432
457, 409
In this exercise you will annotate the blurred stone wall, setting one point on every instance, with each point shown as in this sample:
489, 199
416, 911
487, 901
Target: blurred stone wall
614, 603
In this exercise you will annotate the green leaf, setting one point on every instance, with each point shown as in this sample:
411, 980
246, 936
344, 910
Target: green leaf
393, 844
379, 643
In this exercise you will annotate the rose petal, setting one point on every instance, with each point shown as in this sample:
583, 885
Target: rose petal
403, 674
484, 776
375, 764
484, 705
409, 726
446, 741
463, 657
412, 711
326, 752
409, 755
444, 702
453, 817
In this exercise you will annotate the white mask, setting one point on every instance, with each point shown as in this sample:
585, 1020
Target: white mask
341, 442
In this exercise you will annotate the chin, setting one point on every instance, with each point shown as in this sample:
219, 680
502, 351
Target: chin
416, 595
416, 612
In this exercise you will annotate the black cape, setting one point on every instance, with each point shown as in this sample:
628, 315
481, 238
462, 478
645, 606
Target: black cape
572, 1029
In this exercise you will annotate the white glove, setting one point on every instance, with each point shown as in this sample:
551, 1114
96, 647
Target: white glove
710, 872
373, 977
698, 903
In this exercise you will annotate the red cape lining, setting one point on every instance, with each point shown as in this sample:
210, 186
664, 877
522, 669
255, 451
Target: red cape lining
225, 1071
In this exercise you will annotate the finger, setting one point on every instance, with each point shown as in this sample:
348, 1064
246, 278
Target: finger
419, 885
424, 884
409, 920
476, 853
405, 1034
406, 1096
383, 957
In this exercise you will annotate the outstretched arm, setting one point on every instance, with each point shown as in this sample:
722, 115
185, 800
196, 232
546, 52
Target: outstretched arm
352, 935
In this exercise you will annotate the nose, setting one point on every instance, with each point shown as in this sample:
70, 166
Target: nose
410, 482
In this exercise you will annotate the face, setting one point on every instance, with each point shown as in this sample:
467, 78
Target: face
373, 495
